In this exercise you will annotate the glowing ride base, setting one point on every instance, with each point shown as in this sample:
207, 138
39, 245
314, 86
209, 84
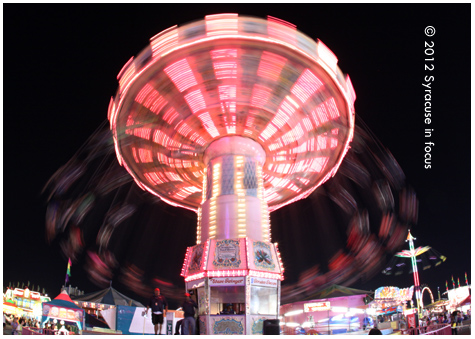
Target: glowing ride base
232, 117
237, 264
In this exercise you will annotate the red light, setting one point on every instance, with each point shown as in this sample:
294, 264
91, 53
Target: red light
221, 24
325, 111
184, 129
181, 75
145, 155
195, 100
281, 22
285, 116
227, 92
208, 124
154, 178
321, 142
327, 55
224, 53
284, 113
143, 93
170, 115
307, 84
268, 132
126, 74
142, 132
293, 135
260, 96
281, 30
225, 69
166, 39
350, 89
308, 124
271, 65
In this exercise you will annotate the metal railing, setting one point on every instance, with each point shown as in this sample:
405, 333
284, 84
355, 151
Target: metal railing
31, 331
436, 329
439, 330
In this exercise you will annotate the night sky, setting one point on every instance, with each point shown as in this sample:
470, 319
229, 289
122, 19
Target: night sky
60, 64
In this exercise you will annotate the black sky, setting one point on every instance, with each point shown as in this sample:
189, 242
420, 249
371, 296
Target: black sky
60, 64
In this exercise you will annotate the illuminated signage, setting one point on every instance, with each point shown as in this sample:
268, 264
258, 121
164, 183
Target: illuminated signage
195, 284
459, 294
226, 281
394, 293
26, 293
264, 282
314, 307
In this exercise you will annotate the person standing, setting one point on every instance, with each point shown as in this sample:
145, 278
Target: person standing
15, 326
189, 325
158, 304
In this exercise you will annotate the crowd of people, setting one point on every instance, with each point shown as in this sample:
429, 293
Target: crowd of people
50, 327
455, 317
17, 323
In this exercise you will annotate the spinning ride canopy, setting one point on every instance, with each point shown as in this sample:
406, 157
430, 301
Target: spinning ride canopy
230, 75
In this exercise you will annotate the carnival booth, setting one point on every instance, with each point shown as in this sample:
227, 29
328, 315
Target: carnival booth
334, 310
94, 303
11, 308
236, 283
27, 303
63, 308
460, 299
438, 307
389, 306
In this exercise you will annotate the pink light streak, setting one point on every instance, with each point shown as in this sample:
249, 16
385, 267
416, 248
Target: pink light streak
208, 124
225, 69
271, 65
307, 84
126, 74
327, 56
145, 155
181, 74
143, 132
195, 100
151, 99
325, 111
219, 24
279, 29
224, 53
164, 40
154, 178
260, 95
170, 115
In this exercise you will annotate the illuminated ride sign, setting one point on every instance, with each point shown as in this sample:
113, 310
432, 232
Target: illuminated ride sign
394, 293
315, 307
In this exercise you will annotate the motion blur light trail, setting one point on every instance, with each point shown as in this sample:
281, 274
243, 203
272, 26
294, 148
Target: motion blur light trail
340, 234
352, 223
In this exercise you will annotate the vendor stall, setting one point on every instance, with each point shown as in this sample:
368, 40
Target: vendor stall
459, 299
236, 284
11, 308
63, 308
389, 305
28, 303
334, 310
